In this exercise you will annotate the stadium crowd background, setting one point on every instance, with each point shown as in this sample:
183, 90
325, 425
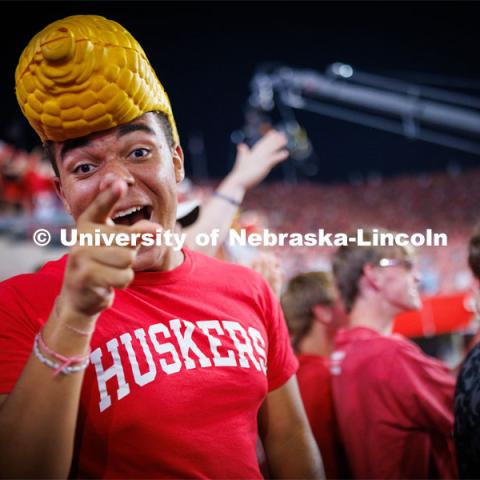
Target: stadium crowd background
445, 202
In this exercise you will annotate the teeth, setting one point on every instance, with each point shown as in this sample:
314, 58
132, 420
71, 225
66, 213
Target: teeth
128, 211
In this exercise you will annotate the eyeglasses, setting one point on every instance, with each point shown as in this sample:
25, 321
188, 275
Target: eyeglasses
406, 263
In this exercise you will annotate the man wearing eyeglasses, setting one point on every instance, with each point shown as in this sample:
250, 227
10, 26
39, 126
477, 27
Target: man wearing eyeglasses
393, 403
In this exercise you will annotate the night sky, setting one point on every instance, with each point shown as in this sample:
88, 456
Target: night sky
206, 53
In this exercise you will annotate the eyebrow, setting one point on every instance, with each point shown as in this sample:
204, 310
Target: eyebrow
122, 130
133, 127
72, 144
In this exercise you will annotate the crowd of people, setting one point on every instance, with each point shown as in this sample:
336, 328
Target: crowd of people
411, 203
27, 194
128, 361
387, 406
26, 187
24, 178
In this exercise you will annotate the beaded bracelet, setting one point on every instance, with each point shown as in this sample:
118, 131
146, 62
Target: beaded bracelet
227, 198
66, 367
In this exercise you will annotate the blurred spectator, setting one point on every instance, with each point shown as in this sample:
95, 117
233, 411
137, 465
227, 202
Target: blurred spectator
269, 267
39, 186
14, 195
27, 193
467, 393
314, 313
393, 403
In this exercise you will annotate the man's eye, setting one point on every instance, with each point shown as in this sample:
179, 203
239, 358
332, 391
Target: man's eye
140, 152
83, 168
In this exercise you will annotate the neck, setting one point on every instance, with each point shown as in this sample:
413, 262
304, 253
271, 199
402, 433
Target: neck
173, 259
155, 261
371, 314
319, 341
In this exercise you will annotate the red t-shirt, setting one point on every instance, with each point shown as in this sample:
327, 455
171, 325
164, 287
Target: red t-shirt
178, 368
394, 407
316, 389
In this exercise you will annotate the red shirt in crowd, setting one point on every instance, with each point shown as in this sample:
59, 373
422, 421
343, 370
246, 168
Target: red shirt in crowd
394, 407
315, 385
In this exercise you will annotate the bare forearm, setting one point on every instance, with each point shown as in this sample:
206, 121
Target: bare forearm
294, 457
218, 214
288, 440
251, 167
38, 418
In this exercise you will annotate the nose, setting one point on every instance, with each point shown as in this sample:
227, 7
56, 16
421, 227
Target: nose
115, 170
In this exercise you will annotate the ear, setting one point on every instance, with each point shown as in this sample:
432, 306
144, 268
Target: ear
177, 156
370, 274
322, 314
59, 189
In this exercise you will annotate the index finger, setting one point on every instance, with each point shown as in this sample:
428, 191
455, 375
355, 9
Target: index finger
102, 206
271, 142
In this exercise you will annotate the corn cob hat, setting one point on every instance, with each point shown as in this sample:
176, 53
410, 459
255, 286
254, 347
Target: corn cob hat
84, 74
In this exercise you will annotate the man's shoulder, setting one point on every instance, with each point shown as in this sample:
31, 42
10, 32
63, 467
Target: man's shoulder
470, 369
43, 279
362, 349
360, 337
467, 406
405, 348
364, 340
402, 350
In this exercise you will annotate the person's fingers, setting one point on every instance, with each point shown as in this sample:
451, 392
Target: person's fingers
270, 148
107, 235
95, 275
145, 226
243, 152
115, 277
242, 148
100, 209
268, 161
141, 228
277, 157
116, 257
111, 235
273, 140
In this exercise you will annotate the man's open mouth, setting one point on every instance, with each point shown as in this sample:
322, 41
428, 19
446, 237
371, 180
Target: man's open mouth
132, 215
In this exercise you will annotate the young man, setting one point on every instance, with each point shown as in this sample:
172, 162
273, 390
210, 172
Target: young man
393, 403
467, 392
147, 362
314, 314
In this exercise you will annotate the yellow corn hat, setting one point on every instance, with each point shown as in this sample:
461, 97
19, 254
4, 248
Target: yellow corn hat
84, 74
